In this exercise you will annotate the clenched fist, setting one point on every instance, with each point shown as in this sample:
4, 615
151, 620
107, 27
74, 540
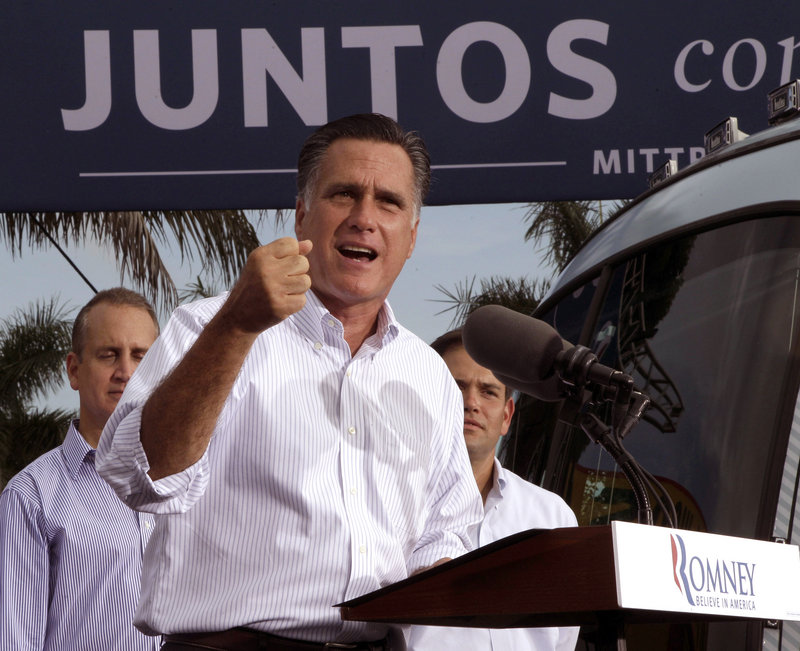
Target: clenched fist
272, 286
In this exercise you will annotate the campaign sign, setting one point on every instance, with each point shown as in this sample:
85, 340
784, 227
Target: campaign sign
688, 571
159, 104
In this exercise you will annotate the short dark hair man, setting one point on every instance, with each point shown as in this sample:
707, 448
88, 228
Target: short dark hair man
70, 551
303, 446
511, 504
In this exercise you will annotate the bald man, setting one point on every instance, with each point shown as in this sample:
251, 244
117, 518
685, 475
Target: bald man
70, 550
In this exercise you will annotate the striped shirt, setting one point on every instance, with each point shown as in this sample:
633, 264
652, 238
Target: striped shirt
327, 476
70, 557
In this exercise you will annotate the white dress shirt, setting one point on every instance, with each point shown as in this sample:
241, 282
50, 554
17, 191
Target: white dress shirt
327, 476
513, 505
70, 557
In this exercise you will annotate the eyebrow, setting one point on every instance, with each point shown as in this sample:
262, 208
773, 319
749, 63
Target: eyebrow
482, 385
383, 194
491, 385
116, 349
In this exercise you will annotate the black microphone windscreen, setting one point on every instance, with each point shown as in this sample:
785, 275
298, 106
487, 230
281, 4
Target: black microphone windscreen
513, 345
550, 390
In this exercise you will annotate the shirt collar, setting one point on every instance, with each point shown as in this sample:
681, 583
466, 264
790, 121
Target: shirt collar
75, 449
499, 476
387, 324
499, 480
311, 319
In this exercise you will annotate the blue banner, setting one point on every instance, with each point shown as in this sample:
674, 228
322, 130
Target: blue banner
203, 104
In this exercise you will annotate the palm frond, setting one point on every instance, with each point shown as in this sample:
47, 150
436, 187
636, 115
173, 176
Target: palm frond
24, 436
197, 290
520, 294
561, 227
33, 346
219, 239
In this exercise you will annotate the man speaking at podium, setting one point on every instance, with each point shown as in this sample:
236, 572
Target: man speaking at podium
300, 448
511, 504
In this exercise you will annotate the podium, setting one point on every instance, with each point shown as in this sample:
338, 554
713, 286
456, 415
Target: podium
604, 576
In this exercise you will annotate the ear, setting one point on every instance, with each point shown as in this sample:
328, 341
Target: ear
299, 217
73, 364
413, 238
508, 412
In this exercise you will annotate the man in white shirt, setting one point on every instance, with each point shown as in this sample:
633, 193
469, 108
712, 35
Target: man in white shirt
511, 504
300, 448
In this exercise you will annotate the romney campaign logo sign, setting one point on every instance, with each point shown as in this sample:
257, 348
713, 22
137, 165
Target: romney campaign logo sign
727, 584
694, 572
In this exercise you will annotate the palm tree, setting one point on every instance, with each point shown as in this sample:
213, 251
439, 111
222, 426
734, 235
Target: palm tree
220, 239
518, 294
33, 346
562, 227
34, 342
197, 290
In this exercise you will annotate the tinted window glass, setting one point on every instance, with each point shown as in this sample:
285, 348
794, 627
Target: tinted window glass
705, 325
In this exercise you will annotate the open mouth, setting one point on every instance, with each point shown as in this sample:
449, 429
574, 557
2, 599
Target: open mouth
358, 253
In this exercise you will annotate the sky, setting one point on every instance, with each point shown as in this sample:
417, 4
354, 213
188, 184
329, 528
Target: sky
454, 245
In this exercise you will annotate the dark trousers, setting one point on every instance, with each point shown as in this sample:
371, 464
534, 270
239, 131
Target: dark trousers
244, 639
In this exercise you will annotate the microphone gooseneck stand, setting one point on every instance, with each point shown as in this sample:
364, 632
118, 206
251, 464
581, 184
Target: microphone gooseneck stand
588, 386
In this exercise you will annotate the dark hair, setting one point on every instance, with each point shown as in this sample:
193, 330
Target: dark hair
454, 339
113, 296
364, 126
448, 340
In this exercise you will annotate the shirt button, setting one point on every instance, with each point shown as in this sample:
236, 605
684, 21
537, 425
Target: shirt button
347, 372
362, 549
330, 322
317, 346
353, 490
351, 430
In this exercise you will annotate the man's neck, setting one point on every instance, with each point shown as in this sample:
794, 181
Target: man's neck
90, 434
359, 321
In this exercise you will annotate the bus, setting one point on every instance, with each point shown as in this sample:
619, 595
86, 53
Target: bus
693, 289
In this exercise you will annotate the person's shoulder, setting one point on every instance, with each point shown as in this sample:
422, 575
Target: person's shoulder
41, 475
201, 310
413, 344
547, 502
412, 340
524, 486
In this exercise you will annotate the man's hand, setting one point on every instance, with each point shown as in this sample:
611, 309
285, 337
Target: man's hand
272, 286
179, 417
441, 561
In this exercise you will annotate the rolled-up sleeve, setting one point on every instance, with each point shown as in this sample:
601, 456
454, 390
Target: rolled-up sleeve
121, 460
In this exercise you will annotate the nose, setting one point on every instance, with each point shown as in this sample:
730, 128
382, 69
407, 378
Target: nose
470, 399
363, 214
124, 369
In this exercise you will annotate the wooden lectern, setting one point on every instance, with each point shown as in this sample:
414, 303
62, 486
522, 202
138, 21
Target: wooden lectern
558, 577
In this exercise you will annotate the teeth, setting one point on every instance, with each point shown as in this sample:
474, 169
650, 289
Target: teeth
358, 251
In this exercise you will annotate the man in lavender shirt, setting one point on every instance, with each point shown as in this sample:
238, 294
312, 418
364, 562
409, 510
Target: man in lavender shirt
70, 550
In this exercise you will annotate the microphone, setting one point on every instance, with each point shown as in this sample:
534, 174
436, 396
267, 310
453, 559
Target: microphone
528, 355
